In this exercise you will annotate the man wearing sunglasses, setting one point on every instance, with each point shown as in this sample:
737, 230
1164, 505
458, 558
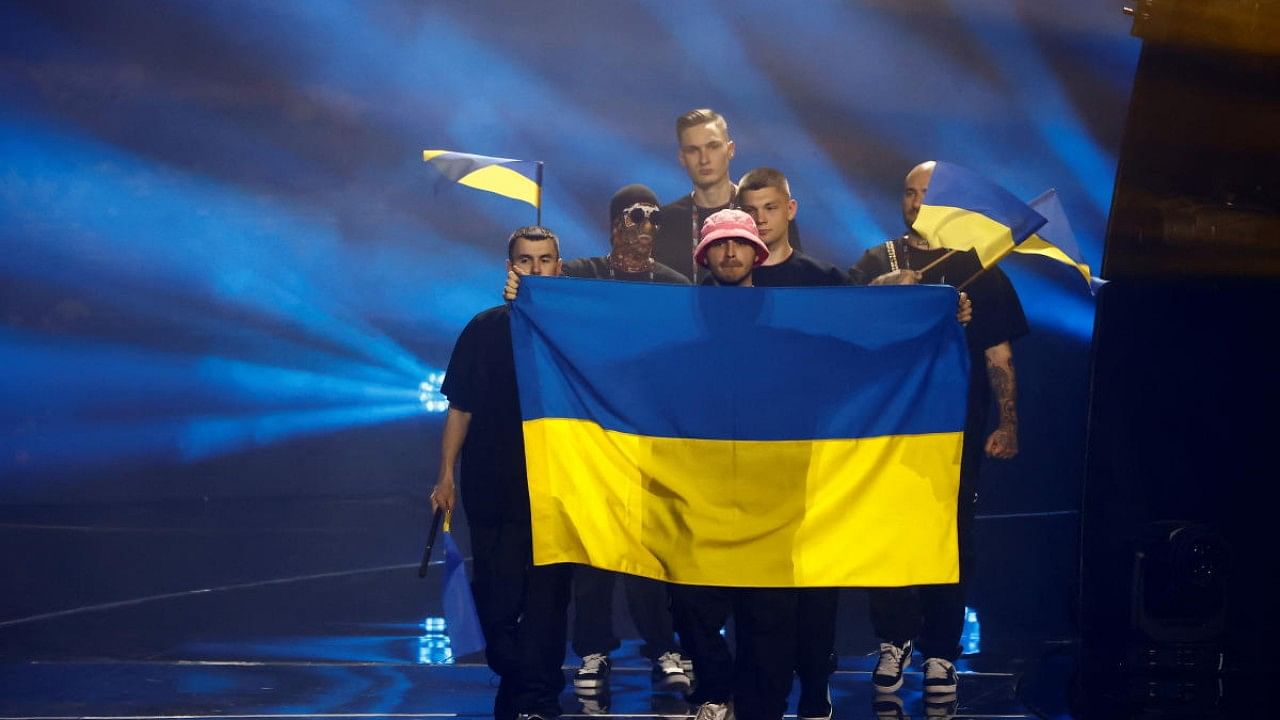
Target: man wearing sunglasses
634, 223
634, 219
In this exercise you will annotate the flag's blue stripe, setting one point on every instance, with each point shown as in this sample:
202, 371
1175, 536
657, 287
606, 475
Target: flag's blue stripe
741, 363
456, 165
956, 186
1056, 230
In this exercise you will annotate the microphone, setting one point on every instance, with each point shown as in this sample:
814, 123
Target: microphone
431, 542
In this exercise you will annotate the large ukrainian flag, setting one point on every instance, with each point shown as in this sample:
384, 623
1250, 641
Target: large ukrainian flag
963, 210
767, 437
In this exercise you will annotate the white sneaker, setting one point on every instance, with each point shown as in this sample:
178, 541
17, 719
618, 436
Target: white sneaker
669, 675
894, 660
594, 671
939, 677
713, 711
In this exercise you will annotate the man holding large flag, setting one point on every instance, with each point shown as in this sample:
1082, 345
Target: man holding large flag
932, 616
522, 607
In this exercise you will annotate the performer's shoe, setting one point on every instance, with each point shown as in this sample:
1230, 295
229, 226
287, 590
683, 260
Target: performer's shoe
894, 659
594, 671
713, 711
669, 675
939, 677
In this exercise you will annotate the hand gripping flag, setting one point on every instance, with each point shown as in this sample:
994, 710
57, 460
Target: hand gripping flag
765, 437
1054, 239
964, 210
516, 179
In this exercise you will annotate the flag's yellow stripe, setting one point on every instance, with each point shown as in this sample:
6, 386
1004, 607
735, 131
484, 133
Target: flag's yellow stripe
503, 181
961, 229
792, 513
428, 154
1035, 245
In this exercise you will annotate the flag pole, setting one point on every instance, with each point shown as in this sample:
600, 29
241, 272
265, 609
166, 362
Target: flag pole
431, 542
937, 262
539, 173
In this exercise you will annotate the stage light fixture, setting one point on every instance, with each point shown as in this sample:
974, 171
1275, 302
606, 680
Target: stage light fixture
429, 393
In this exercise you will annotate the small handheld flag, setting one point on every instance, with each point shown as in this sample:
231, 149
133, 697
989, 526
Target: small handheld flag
516, 179
1054, 239
964, 210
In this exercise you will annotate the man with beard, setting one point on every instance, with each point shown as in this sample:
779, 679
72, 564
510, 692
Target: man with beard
932, 616
756, 678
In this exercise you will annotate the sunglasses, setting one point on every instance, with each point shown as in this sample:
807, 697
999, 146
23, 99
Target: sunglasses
637, 214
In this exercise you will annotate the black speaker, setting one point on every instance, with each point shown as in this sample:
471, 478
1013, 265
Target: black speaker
1179, 514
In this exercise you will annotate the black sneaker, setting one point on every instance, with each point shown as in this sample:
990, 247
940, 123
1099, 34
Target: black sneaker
668, 674
593, 673
894, 659
939, 677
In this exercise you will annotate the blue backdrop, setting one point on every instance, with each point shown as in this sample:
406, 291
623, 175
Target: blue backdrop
227, 271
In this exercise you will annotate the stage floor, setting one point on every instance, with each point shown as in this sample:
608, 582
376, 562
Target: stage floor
255, 689
287, 608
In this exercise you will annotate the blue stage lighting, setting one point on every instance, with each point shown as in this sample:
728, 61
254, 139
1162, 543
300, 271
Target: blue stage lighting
433, 645
429, 393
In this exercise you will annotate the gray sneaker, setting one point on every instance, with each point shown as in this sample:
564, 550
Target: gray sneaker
894, 659
713, 711
669, 675
594, 671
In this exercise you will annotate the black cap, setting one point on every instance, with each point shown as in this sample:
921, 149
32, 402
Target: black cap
627, 196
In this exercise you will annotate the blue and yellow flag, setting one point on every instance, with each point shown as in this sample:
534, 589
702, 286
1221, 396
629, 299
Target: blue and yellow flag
766, 437
516, 179
1054, 239
964, 210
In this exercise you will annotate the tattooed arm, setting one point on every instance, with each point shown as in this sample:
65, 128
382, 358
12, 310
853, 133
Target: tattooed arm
1003, 441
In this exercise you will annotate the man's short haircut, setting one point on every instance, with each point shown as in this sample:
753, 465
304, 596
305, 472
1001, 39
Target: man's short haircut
531, 232
761, 178
701, 116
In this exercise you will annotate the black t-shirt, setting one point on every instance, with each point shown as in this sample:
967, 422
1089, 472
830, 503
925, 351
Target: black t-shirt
799, 270
997, 312
599, 268
679, 235
481, 380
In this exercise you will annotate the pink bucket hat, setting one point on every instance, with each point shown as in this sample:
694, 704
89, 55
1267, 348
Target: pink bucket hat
729, 224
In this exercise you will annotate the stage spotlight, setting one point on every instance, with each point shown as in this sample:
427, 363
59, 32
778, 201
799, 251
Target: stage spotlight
1179, 600
433, 644
429, 393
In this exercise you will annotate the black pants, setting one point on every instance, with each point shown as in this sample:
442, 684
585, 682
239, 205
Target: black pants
816, 639
932, 615
648, 601
758, 676
523, 613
